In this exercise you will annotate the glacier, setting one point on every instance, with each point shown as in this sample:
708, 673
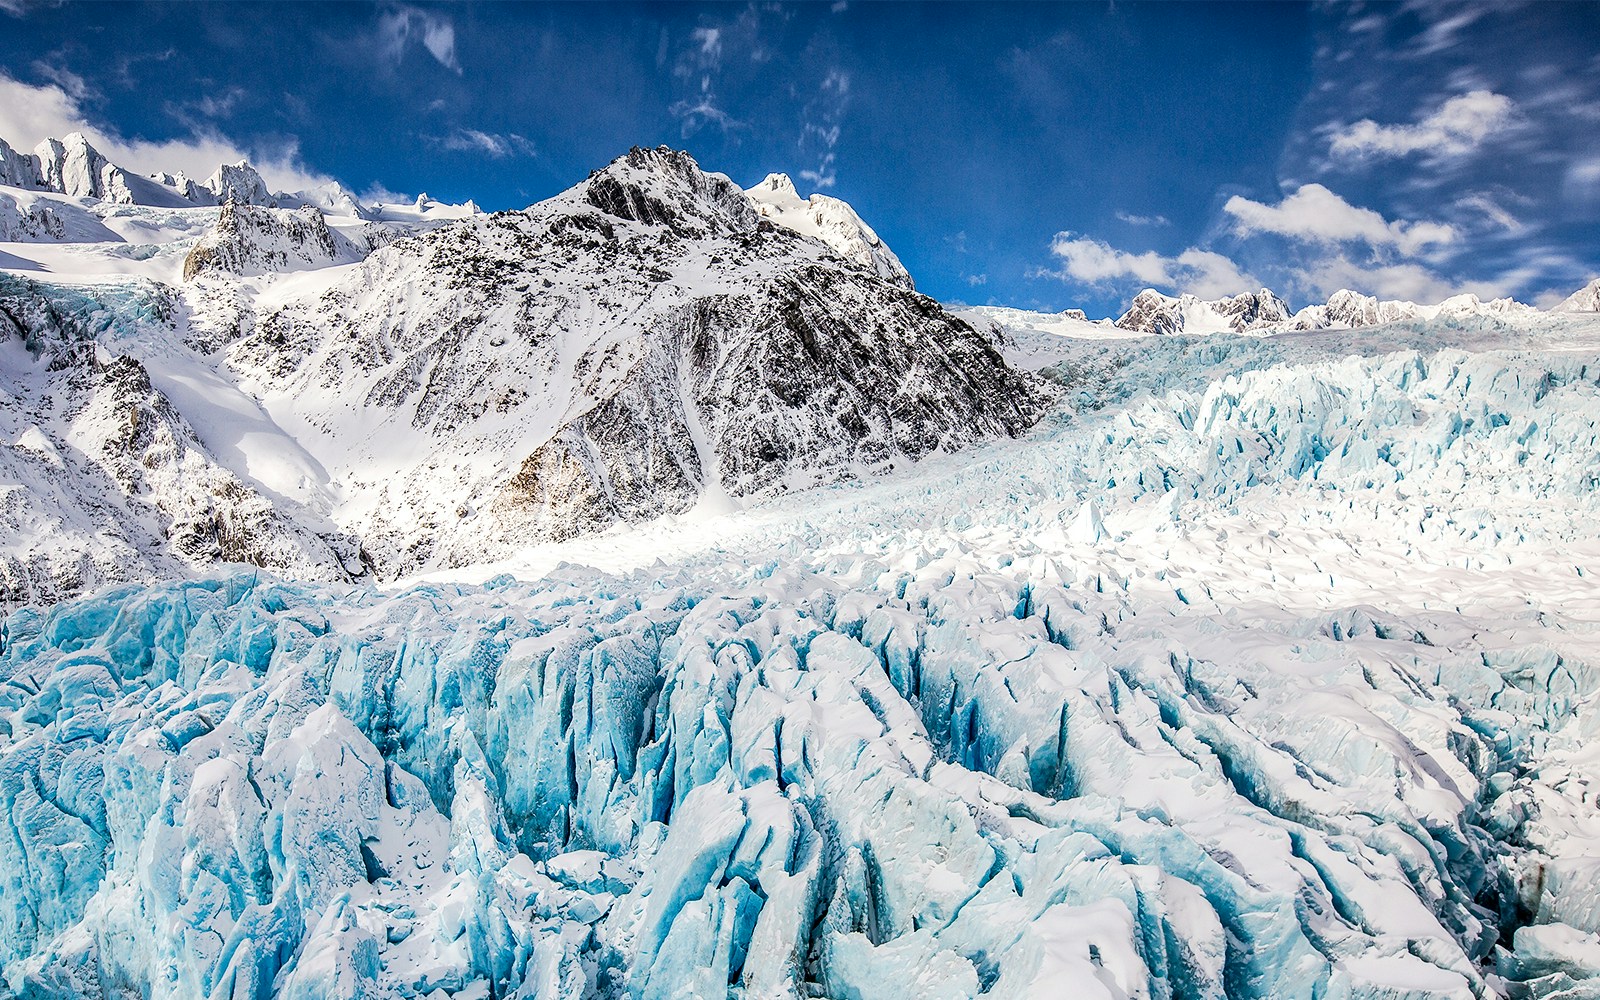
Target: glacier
1263, 667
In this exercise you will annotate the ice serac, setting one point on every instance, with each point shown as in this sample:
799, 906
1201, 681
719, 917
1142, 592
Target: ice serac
830, 220
627, 349
1154, 313
250, 239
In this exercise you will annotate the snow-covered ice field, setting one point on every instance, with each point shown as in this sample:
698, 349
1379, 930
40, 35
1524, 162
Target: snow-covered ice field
1263, 667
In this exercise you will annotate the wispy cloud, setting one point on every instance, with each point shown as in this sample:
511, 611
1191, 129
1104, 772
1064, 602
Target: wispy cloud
21, 8
820, 129
74, 85
699, 65
1444, 24
1491, 211
1459, 126
1203, 272
495, 145
1314, 213
399, 25
1142, 220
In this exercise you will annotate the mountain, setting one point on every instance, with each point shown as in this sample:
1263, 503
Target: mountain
426, 390
1347, 310
76, 169
1584, 300
829, 220
640, 343
73, 167
17, 169
249, 239
111, 480
1154, 313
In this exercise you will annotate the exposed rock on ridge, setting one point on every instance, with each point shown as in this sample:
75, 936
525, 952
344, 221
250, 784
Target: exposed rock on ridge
621, 351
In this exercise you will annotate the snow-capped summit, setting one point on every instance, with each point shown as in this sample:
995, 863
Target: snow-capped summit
72, 166
1155, 313
256, 239
1584, 300
829, 220
665, 186
633, 347
239, 182
1348, 310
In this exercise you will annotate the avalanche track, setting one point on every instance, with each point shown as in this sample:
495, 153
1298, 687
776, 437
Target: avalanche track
1262, 668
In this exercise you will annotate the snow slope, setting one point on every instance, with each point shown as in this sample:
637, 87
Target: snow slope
829, 220
1263, 669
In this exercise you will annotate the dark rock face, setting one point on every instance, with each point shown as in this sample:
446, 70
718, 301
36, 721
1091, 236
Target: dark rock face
794, 383
665, 187
621, 351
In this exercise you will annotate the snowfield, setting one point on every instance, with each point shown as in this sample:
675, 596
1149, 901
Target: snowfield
1257, 664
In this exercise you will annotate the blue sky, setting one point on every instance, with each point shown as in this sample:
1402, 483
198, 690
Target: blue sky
1037, 155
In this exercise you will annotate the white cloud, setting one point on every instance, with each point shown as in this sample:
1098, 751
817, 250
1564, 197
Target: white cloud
1409, 281
977, 279
1142, 220
1581, 181
710, 42
29, 114
1492, 211
1459, 126
495, 145
399, 25
73, 84
1203, 272
1314, 213
703, 111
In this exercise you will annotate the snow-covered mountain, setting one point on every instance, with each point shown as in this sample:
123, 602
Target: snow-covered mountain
641, 345
1347, 310
829, 220
1584, 300
632, 347
1154, 313
251, 240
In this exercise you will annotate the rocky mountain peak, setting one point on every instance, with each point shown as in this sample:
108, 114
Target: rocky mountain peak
17, 169
779, 185
665, 186
257, 239
1585, 299
1155, 313
239, 182
830, 220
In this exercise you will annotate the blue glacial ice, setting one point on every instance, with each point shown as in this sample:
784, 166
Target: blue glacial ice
1262, 684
